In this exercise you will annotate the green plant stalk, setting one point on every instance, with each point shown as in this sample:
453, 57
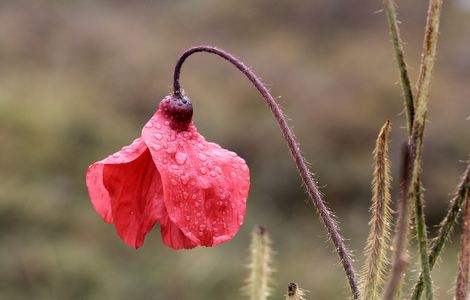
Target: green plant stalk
422, 243
374, 270
416, 142
400, 58
464, 257
259, 278
446, 227
408, 99
399, 262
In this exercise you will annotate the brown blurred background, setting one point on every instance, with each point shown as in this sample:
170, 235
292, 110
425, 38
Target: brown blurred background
78, 79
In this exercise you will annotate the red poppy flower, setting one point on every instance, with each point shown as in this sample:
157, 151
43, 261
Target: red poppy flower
172, 175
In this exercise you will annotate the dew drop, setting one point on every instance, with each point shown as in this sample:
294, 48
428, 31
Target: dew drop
202, 157
194, 196
158, 126
149, 125
173, 182
181, 157
212, 173
158, 136
203, 170
184, 179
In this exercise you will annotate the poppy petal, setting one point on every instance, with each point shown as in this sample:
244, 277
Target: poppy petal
173, 237
126, 189
205, 186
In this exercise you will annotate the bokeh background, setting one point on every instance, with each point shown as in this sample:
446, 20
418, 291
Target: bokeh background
78, 79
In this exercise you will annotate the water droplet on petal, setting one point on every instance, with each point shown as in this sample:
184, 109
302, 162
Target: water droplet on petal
158, 126
185, 179
149, 125
158, 136
212, 173
173, 182
203, 170
202, 157
194, 196
181, 157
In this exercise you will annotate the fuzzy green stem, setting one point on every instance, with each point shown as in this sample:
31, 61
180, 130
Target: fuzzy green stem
260, 265
416, 142
446, 227
423, 243
401, 232
464, 257
400, 58
374, 270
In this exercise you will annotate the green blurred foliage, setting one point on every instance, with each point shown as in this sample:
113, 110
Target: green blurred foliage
78, 79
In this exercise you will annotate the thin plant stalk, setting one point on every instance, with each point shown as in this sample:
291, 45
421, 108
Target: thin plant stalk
375, 268
446, 227
314, 194
399, 262
408, 99
416, 142
397, 42
464, 257
258, 282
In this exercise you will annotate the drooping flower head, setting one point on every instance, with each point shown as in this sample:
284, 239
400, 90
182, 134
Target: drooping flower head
171, 175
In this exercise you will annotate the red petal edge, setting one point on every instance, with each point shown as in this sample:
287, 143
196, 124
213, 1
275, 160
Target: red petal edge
205, 186
126, 189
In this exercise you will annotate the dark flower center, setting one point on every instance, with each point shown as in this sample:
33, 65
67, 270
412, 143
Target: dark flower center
179, 110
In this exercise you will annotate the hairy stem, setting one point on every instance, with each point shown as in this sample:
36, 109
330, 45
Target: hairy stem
374, 270
446, 227
464, 257
312, 189
416, 142
401, 232
260, 265
400, 58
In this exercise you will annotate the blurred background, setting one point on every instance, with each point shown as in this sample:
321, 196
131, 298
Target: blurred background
78, 79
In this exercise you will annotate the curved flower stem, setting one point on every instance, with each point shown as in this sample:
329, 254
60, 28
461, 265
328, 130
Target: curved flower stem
312, 189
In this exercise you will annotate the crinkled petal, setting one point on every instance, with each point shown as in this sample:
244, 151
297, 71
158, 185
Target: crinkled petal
172, 235
126, 189
205, 186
